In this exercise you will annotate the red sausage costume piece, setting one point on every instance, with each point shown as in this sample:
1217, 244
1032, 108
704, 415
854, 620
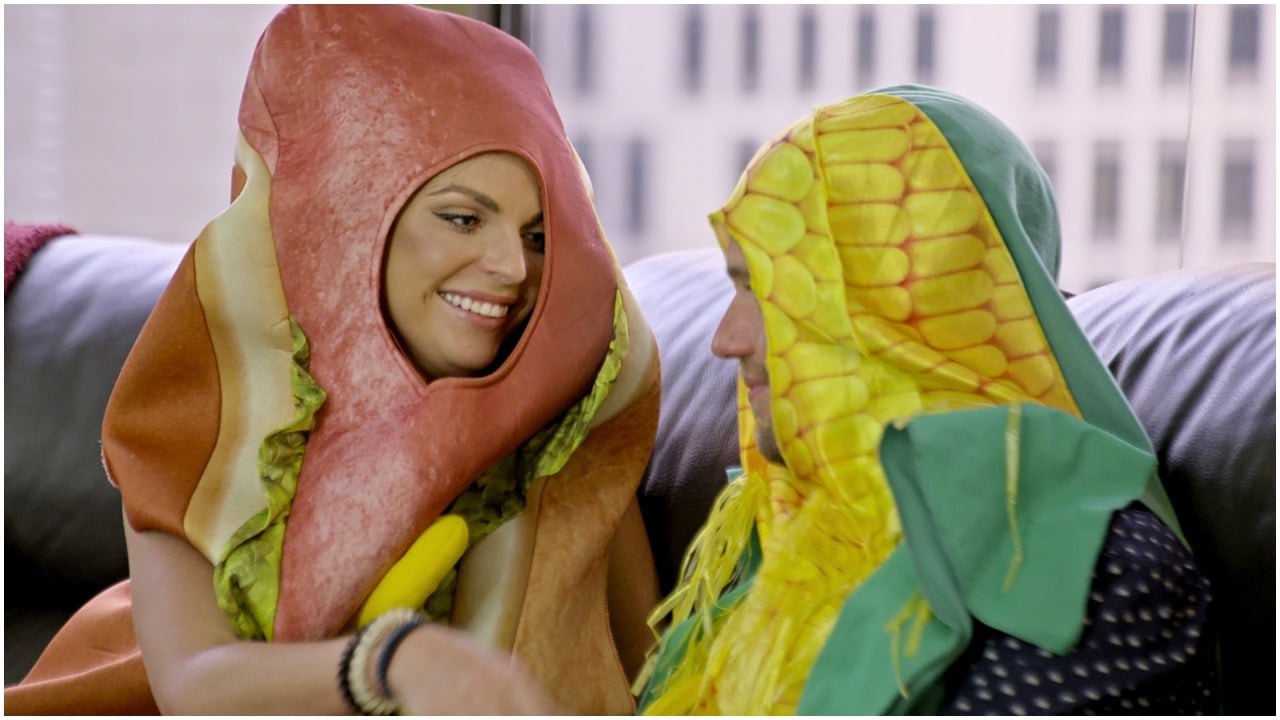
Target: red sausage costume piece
346, 112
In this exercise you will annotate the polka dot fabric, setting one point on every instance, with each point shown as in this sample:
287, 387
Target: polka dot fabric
1144, 649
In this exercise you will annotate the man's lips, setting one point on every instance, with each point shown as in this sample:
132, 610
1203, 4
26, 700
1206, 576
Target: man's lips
756, 387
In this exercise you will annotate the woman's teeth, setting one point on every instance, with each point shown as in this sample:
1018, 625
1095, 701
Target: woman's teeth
491, 310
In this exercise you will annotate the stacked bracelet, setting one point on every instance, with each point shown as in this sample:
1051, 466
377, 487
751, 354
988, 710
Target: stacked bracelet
362, 673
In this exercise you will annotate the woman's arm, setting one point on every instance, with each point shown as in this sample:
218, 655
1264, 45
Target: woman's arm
197, 665
194, 661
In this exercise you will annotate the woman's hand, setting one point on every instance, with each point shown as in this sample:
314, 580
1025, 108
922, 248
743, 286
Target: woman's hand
442, 671
197, 666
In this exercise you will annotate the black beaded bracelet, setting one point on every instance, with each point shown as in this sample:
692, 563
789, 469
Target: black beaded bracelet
362, 669
344, 672
389, 647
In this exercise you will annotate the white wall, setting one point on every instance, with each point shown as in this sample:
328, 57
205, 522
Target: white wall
122, 119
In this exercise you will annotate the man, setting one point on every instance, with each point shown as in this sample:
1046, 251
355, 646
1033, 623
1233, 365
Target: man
945, 503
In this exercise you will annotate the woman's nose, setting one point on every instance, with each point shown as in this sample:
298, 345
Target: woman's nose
504, 257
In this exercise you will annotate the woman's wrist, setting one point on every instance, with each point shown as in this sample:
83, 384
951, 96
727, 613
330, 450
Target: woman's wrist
362, 673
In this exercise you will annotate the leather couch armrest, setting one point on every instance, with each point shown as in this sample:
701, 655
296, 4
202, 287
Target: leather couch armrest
70, 319
1195, 353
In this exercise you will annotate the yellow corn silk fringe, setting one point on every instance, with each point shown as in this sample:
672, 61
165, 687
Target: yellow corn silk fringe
887, 292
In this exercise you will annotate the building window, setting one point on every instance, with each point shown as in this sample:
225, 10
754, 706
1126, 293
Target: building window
637, 185
586, 153
745, 151
584, 61
1046, 152
925, 32
808, 47
1171, 177
1246, 22
750, 48
585, 150
1176, 58
1111, 44
1048, 43
866, 46
1106, 190
693, 38
1238, 180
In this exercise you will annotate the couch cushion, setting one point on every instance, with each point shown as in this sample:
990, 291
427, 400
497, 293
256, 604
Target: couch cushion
683, 295
1195, 353
70, 319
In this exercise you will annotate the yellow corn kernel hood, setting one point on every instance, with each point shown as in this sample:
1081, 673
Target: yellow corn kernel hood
903, 247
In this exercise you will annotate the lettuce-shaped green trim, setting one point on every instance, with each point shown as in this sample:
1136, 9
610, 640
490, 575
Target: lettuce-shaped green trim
549, 449
247, 578
500, 493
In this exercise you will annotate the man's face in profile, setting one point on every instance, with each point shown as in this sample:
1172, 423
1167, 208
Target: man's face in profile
740, 336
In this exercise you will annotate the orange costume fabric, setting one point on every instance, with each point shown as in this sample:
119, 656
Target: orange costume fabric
346, 112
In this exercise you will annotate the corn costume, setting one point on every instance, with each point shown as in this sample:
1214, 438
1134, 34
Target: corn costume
267, 416
954, 449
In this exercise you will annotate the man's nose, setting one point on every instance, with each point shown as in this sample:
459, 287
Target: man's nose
733, 338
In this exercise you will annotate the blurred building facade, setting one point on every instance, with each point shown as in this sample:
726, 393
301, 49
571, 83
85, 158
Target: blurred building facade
121, 119
1155, 122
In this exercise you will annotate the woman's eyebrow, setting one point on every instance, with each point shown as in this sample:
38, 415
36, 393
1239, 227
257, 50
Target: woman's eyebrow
479, 197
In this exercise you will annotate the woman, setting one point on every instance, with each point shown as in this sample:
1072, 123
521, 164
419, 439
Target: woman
405, 341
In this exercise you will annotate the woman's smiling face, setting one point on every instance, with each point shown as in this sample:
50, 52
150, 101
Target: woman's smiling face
464, 264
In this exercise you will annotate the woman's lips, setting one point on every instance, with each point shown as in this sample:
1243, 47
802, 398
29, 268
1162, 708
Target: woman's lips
486, 312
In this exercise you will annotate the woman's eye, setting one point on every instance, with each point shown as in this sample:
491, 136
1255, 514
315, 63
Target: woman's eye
536, 240
464, 221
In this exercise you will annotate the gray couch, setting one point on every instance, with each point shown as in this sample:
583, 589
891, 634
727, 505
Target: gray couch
1194, 352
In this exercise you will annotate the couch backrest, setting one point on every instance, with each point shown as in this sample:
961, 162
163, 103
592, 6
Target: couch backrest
683, 296
70, 319
1195, 353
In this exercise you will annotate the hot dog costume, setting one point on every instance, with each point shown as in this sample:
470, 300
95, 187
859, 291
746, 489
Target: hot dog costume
954, 449
267, 416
